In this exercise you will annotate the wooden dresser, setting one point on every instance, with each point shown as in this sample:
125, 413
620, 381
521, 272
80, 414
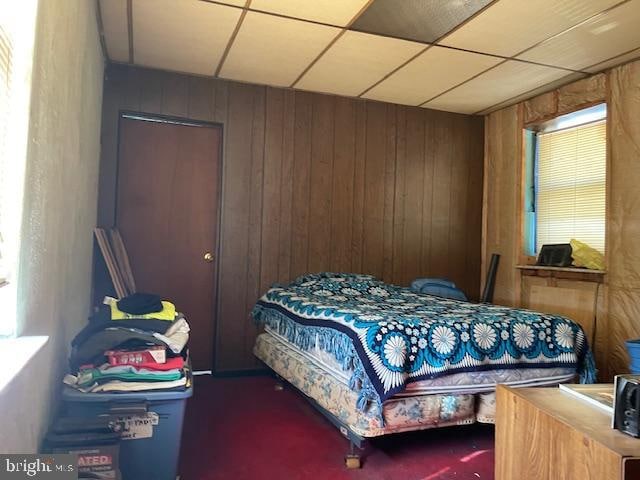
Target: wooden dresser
544, 434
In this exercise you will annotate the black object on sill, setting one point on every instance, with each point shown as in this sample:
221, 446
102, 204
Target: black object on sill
555, 255
490, 283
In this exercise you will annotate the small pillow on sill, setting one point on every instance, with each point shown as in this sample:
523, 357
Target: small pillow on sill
586, 256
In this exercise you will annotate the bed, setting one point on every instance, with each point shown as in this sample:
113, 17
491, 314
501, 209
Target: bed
377, 359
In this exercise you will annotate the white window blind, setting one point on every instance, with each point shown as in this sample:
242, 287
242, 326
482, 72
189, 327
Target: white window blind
571, 185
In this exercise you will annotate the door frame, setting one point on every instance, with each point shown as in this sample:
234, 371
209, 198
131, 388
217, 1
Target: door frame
170, 119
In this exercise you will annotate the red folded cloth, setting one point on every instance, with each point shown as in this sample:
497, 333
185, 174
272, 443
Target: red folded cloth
170, 364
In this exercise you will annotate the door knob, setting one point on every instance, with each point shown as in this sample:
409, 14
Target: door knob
208, 257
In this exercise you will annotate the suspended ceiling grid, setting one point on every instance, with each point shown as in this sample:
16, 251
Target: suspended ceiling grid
465, 56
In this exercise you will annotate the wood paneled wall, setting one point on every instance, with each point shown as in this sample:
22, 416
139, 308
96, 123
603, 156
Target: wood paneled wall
618, 310
315, 182
623, 259
503, 147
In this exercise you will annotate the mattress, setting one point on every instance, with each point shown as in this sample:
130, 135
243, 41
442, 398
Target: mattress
466, 382
334, 395
391, 342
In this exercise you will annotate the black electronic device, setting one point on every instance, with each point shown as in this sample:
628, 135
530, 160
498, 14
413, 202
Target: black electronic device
626, 411
555, 255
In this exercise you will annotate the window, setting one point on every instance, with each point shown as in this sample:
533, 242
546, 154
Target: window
17, 31
5, 89
566, 179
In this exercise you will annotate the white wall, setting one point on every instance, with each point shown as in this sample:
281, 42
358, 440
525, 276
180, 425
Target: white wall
59, 213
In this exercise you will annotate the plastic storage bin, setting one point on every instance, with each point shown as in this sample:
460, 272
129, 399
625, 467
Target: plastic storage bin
154, 426
633, 347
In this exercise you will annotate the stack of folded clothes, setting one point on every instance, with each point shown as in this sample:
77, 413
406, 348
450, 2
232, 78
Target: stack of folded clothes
134, 344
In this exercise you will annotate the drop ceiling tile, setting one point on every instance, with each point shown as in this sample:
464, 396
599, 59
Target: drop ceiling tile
547, 87
497, 85
116, 29
627, 57
236, 3
274, 50
361, 60
334, 12
511, 26
433, 72
595, 41
421, 20
181, 36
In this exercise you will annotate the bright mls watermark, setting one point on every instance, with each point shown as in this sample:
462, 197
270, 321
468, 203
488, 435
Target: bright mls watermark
47, 466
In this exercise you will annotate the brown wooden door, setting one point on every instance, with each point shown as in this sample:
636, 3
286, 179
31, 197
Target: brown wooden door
168, 211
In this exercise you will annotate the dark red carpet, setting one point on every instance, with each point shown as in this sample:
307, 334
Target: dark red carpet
241, 428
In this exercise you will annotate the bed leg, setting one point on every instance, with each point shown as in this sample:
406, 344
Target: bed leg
352, 459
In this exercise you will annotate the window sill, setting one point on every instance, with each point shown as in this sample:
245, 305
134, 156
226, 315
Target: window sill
571, 273
15, 353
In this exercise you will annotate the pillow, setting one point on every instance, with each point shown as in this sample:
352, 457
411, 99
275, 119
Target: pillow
443, 291
418, 283
585, 256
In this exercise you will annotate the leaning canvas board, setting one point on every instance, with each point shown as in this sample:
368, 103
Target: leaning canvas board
110, 261
122, 259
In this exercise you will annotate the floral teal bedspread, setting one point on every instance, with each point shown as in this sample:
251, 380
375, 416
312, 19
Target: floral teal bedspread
390, 336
